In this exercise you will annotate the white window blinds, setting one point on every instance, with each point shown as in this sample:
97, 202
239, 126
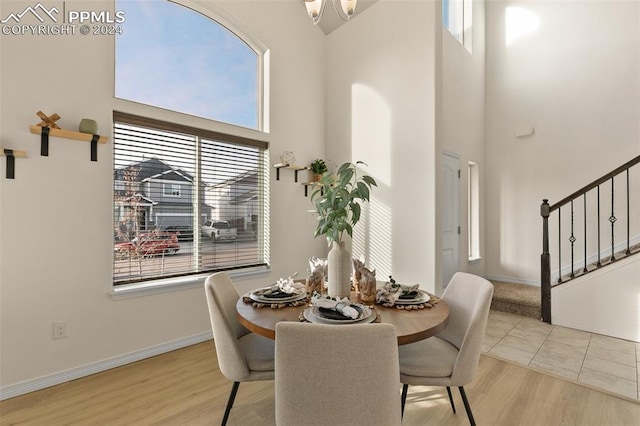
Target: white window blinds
169, 181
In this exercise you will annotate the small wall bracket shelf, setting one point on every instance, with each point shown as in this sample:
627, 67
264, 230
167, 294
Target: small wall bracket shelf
67, 134
11, 155
306, 188
295, 169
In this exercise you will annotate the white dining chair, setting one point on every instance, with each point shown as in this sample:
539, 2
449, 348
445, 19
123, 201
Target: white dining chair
451, 357
242, 356
337, 375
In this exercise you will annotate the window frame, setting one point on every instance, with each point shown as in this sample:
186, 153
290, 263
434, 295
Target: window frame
229, 21
172, 191
160, 283
220, 16
473, 212
461, 15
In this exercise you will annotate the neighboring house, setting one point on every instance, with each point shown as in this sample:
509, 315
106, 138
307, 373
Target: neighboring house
154, 195
236, 200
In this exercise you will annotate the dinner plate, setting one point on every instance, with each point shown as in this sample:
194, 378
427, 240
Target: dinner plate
420, 297
280, 297
312, 314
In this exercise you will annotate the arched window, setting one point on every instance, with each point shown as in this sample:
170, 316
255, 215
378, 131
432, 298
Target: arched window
174, 57
188, 200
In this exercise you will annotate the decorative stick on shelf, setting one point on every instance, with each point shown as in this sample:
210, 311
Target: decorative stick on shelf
11, 158
48, 121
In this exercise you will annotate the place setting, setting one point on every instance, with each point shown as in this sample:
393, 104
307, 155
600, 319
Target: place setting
286, 292
406, 297
326, 310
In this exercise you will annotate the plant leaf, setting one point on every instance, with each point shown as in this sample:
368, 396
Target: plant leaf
345, 177
369, 180
343, 167
355, 213
363, 191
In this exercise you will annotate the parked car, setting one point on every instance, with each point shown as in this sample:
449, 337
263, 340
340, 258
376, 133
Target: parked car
183, 232
149, 244
219, 230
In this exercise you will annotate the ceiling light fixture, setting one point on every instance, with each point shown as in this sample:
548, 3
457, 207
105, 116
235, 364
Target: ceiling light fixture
345, 9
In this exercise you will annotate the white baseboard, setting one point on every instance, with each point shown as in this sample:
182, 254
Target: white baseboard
22, 388
514, 280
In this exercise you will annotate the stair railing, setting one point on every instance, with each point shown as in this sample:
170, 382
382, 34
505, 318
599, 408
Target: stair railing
546, 210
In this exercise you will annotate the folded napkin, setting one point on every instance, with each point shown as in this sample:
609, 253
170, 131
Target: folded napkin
284, 288
287, 285
342, 306
391, 292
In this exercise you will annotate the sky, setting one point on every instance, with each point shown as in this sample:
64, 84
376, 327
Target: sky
173, 57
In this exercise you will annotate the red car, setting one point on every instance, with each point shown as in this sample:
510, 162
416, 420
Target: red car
149, 244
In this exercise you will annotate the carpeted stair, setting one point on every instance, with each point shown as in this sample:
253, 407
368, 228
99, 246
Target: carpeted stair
519, 299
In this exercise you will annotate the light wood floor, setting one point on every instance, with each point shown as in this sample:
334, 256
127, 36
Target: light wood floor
185, 387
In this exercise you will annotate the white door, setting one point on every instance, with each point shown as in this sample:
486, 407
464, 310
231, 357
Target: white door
450, 216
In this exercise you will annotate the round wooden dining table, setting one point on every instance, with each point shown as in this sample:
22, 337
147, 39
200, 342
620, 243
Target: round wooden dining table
411, 325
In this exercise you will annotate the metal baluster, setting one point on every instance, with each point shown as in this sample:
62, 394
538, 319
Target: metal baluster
559, 246
612, 219
599, 264
628, 216
572, 240
585, 270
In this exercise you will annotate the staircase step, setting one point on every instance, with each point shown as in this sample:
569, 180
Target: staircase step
519, 299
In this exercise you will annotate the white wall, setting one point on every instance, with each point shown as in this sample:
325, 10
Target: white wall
381, 76
55, 217
574, 78
461, 121
605, 302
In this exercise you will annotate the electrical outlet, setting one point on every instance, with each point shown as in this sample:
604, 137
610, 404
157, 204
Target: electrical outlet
59, 330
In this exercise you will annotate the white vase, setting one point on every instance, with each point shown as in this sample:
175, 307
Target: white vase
339, 284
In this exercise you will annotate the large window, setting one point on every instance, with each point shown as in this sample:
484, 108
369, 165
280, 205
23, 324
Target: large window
173, 57
187, 200
169, 180
473, 212
458, 19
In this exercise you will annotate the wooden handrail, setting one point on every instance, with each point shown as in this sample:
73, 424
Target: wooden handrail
546, 209
595, 183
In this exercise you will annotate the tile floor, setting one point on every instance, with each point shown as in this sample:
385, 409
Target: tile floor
597, 361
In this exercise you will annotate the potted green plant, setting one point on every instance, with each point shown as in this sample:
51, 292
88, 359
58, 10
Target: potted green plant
318, 168
337, 199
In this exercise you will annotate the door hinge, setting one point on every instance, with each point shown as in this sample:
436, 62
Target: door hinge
459, 173
458, 230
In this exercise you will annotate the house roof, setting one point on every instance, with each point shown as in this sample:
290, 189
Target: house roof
123, 198
247, 178
245, 197
154, 168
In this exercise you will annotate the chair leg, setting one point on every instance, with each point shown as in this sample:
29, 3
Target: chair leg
404, 397
467, 406
453, 406
232, 397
